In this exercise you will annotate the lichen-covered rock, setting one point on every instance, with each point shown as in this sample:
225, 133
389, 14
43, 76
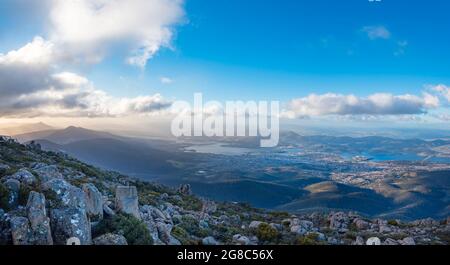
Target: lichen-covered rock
69, 195
20, 231
40, 223
94, 201
70, 222
361, 224
110, 240
127, 200
47, 172
24, 177
209, 241
13, 186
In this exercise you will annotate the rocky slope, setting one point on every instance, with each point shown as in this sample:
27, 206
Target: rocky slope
49, 198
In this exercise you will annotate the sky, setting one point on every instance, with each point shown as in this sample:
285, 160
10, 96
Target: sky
353, 60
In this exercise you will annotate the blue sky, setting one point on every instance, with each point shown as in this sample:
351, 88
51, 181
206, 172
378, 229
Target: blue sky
273, 50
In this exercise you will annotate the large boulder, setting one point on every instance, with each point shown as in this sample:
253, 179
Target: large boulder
20, 231
40, 223
24, 176
13, 187
94, 201
47, 172
70, 222
110, 240
69, 195
127, 200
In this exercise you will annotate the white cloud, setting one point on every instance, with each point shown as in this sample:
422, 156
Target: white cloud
30, 86
377, 32
87, 28
166, 80
442, 90
375, 104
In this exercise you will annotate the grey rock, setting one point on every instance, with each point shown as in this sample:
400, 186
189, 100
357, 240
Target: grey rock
164, 235
239, 239
25, 177
361, 224
40, 223
255, 224
127, 200
338, 221
20, 231
359, 241
70, 222
47, 172
209, 241
384, 229
185, 189
408, 241
94, 201
298, 229
209, 207
69, 195
108, 211
390, 242
13, 186
110, 240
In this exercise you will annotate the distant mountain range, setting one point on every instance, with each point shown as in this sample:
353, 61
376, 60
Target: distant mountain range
25, 128
168, 163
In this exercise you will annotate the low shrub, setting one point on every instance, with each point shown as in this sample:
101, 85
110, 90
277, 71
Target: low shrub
133, 229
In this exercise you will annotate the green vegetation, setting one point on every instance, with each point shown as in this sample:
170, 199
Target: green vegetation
310, 239
267, 233
393, 222
191, 225
133, 229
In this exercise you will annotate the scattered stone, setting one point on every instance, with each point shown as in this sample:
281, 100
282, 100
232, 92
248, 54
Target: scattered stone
209, 207
4, 168
241, 240
390, 242
338, 221
359, 241
361, 224
110, 240
94, 201
408, 241
127, 200
185, 189
255, 224
209, 241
